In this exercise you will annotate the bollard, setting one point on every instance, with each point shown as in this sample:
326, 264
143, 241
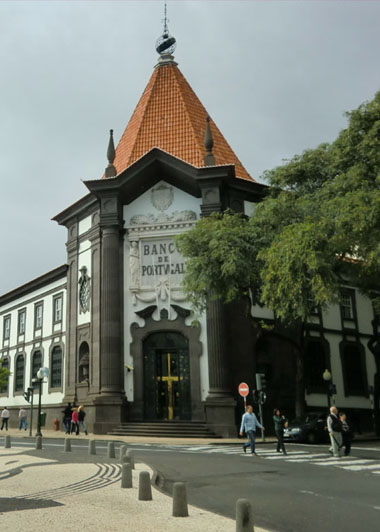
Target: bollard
39, 442
67, 445
126, 476
91, 447
179, 500
132, 457
145, 489
126, 460
111, 449
7, 442
244, 517
123, 450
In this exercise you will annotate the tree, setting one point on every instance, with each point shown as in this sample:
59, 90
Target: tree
4, 374
318, 226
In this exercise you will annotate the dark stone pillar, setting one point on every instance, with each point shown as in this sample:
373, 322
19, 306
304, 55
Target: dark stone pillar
216, 343
111, 348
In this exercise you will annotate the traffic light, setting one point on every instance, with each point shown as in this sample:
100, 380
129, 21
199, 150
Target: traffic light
27, 396
261, 381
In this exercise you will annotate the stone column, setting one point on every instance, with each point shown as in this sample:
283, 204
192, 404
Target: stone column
216, 343
220, 404
111, 347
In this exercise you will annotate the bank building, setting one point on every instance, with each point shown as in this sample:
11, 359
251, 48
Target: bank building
113, 325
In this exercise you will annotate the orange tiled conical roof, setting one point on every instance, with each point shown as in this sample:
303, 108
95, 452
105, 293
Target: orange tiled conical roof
170, 116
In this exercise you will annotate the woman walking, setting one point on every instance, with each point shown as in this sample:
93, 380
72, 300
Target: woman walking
81, 416
280, 423
74, 422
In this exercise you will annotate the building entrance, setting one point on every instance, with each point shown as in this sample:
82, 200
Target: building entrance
166, 377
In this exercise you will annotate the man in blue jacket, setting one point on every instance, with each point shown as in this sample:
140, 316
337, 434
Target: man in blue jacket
249, 423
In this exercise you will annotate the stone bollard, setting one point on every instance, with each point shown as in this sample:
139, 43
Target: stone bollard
111, 449
244, 517
145, 489
123, 450
179, 500
126, 476
67, 445
39, 442
7, 442
126, 460
91, 447
132, 458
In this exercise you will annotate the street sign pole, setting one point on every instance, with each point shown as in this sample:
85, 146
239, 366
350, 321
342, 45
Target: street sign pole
31, 413
261, 420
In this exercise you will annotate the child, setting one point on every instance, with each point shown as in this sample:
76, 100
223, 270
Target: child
346, 434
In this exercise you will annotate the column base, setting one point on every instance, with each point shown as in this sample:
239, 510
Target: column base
220, 416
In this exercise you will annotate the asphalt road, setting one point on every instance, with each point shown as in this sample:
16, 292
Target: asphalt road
306, 491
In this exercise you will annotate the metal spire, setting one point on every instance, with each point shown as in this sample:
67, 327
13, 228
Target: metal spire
209, 159
166, 43
111, 170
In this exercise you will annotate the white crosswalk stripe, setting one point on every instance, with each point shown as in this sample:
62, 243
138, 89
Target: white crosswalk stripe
323, 459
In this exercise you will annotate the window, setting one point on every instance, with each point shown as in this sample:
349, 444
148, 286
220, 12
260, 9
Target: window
36, 363
19, 374
315, 364
56, 367
354, 369
7, 327
4, 364
347, 305
21, 321
38, 316
57, 309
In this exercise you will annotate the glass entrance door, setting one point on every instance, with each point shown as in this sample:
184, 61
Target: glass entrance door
167, 377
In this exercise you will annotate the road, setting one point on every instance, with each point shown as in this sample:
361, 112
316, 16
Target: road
306, 490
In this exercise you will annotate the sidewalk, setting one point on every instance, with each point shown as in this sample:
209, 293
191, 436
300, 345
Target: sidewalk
37, 493
47, 433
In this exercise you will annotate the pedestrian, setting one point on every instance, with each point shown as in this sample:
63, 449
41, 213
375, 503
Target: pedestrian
74, 422
22, 416
4, 418
249, 423
346, 434
81, 416
334, 426
67, 414
280, 423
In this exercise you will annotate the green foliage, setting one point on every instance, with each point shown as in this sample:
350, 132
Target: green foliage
319, 224
4, 374
220, 253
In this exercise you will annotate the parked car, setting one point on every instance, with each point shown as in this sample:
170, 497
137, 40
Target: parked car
312, 428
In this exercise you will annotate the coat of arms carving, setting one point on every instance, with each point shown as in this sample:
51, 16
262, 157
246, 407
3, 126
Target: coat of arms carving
162, 197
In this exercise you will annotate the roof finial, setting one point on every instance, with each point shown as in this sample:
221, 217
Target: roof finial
111, 170
209, 159
166, 43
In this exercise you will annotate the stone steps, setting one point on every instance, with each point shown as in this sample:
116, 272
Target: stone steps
174, 429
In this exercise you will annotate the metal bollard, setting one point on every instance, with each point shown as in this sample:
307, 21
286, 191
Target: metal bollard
7, 442
39, 442
132, 457
67, 445
145, 489
123, 450
179, 500
244, 516
91, 447
111, 449
126, 476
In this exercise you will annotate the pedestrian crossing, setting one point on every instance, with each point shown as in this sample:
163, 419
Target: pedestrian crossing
299, 456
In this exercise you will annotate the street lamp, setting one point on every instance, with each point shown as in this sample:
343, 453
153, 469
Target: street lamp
327, 378
41, 374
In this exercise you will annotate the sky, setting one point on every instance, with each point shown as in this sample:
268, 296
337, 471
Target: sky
275, 76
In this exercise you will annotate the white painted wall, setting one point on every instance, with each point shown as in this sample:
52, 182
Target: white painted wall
84, 225
44, 342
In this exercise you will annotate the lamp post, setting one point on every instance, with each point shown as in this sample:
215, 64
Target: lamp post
327, 378
41, 374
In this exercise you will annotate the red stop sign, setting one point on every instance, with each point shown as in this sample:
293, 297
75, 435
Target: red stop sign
243, 389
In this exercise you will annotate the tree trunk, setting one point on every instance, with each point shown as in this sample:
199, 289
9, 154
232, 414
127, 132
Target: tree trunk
300, 405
